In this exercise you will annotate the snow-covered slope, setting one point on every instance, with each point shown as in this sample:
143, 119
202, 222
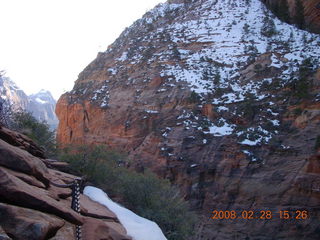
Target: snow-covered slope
217, 48
42, 106
233, 32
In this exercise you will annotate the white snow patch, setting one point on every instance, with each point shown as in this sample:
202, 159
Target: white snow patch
224, 130
275, 122
249, 142
137, 227
112, 71
222, 108
39, 100
151, 111
250, 154
123, 57
275, 61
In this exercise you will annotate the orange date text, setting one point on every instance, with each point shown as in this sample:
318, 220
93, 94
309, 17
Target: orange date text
259, 214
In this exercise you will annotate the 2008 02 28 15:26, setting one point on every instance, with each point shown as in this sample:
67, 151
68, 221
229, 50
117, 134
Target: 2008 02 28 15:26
262, 214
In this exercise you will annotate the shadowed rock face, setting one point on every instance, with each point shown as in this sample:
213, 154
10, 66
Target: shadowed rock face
311, 12
204, 95
32, 208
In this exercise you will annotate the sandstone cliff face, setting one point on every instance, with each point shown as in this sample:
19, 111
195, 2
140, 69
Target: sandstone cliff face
207, 94
311, 12
32, 208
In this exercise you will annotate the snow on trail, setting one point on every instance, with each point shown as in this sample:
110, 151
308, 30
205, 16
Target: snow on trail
137, 227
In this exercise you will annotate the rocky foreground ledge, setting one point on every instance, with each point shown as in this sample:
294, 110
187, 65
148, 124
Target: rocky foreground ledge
32, 208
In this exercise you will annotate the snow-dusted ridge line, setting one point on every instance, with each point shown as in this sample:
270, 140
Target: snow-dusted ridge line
213, 49
222, 25
137, 227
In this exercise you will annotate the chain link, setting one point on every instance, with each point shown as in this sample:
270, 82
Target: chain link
75, 201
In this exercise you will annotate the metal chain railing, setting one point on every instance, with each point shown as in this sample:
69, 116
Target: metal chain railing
75, 199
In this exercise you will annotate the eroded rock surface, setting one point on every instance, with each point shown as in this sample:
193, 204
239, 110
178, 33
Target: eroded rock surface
32, 208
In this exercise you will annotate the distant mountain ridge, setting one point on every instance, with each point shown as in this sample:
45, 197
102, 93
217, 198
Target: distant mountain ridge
41, 105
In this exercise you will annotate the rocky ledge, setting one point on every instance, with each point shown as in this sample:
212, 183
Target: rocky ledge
32, 208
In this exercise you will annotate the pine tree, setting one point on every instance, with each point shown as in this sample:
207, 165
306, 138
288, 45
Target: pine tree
269, 28
299, 15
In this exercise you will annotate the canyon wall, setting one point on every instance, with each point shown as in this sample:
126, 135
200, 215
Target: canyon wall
221, 100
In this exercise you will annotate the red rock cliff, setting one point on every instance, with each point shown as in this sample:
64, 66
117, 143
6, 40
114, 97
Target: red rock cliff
217, 98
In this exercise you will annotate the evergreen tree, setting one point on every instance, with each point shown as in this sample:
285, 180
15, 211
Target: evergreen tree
299, 15
5, 113
269, 28
246, 29
217, 77
39, 132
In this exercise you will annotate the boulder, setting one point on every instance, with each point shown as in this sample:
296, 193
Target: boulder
15, 191
21, 141
65, 233
32, 208
96, 210
21, 223
16, 159
100, 230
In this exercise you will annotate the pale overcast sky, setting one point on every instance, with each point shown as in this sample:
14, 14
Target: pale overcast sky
47, 43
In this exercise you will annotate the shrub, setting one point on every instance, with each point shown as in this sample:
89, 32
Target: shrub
258, 68
268, 28
301, 85
39, 132
297, 111
246, 28
5, 113
194, 97
145, 193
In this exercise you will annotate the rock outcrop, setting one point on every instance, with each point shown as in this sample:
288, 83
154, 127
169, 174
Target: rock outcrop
219, 98
32, 208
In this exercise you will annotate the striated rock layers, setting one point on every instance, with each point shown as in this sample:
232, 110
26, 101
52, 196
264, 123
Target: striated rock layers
32, 208
219, 98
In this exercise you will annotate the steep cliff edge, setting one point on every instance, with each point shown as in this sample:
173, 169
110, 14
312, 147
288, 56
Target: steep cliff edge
220, 99
32, 208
